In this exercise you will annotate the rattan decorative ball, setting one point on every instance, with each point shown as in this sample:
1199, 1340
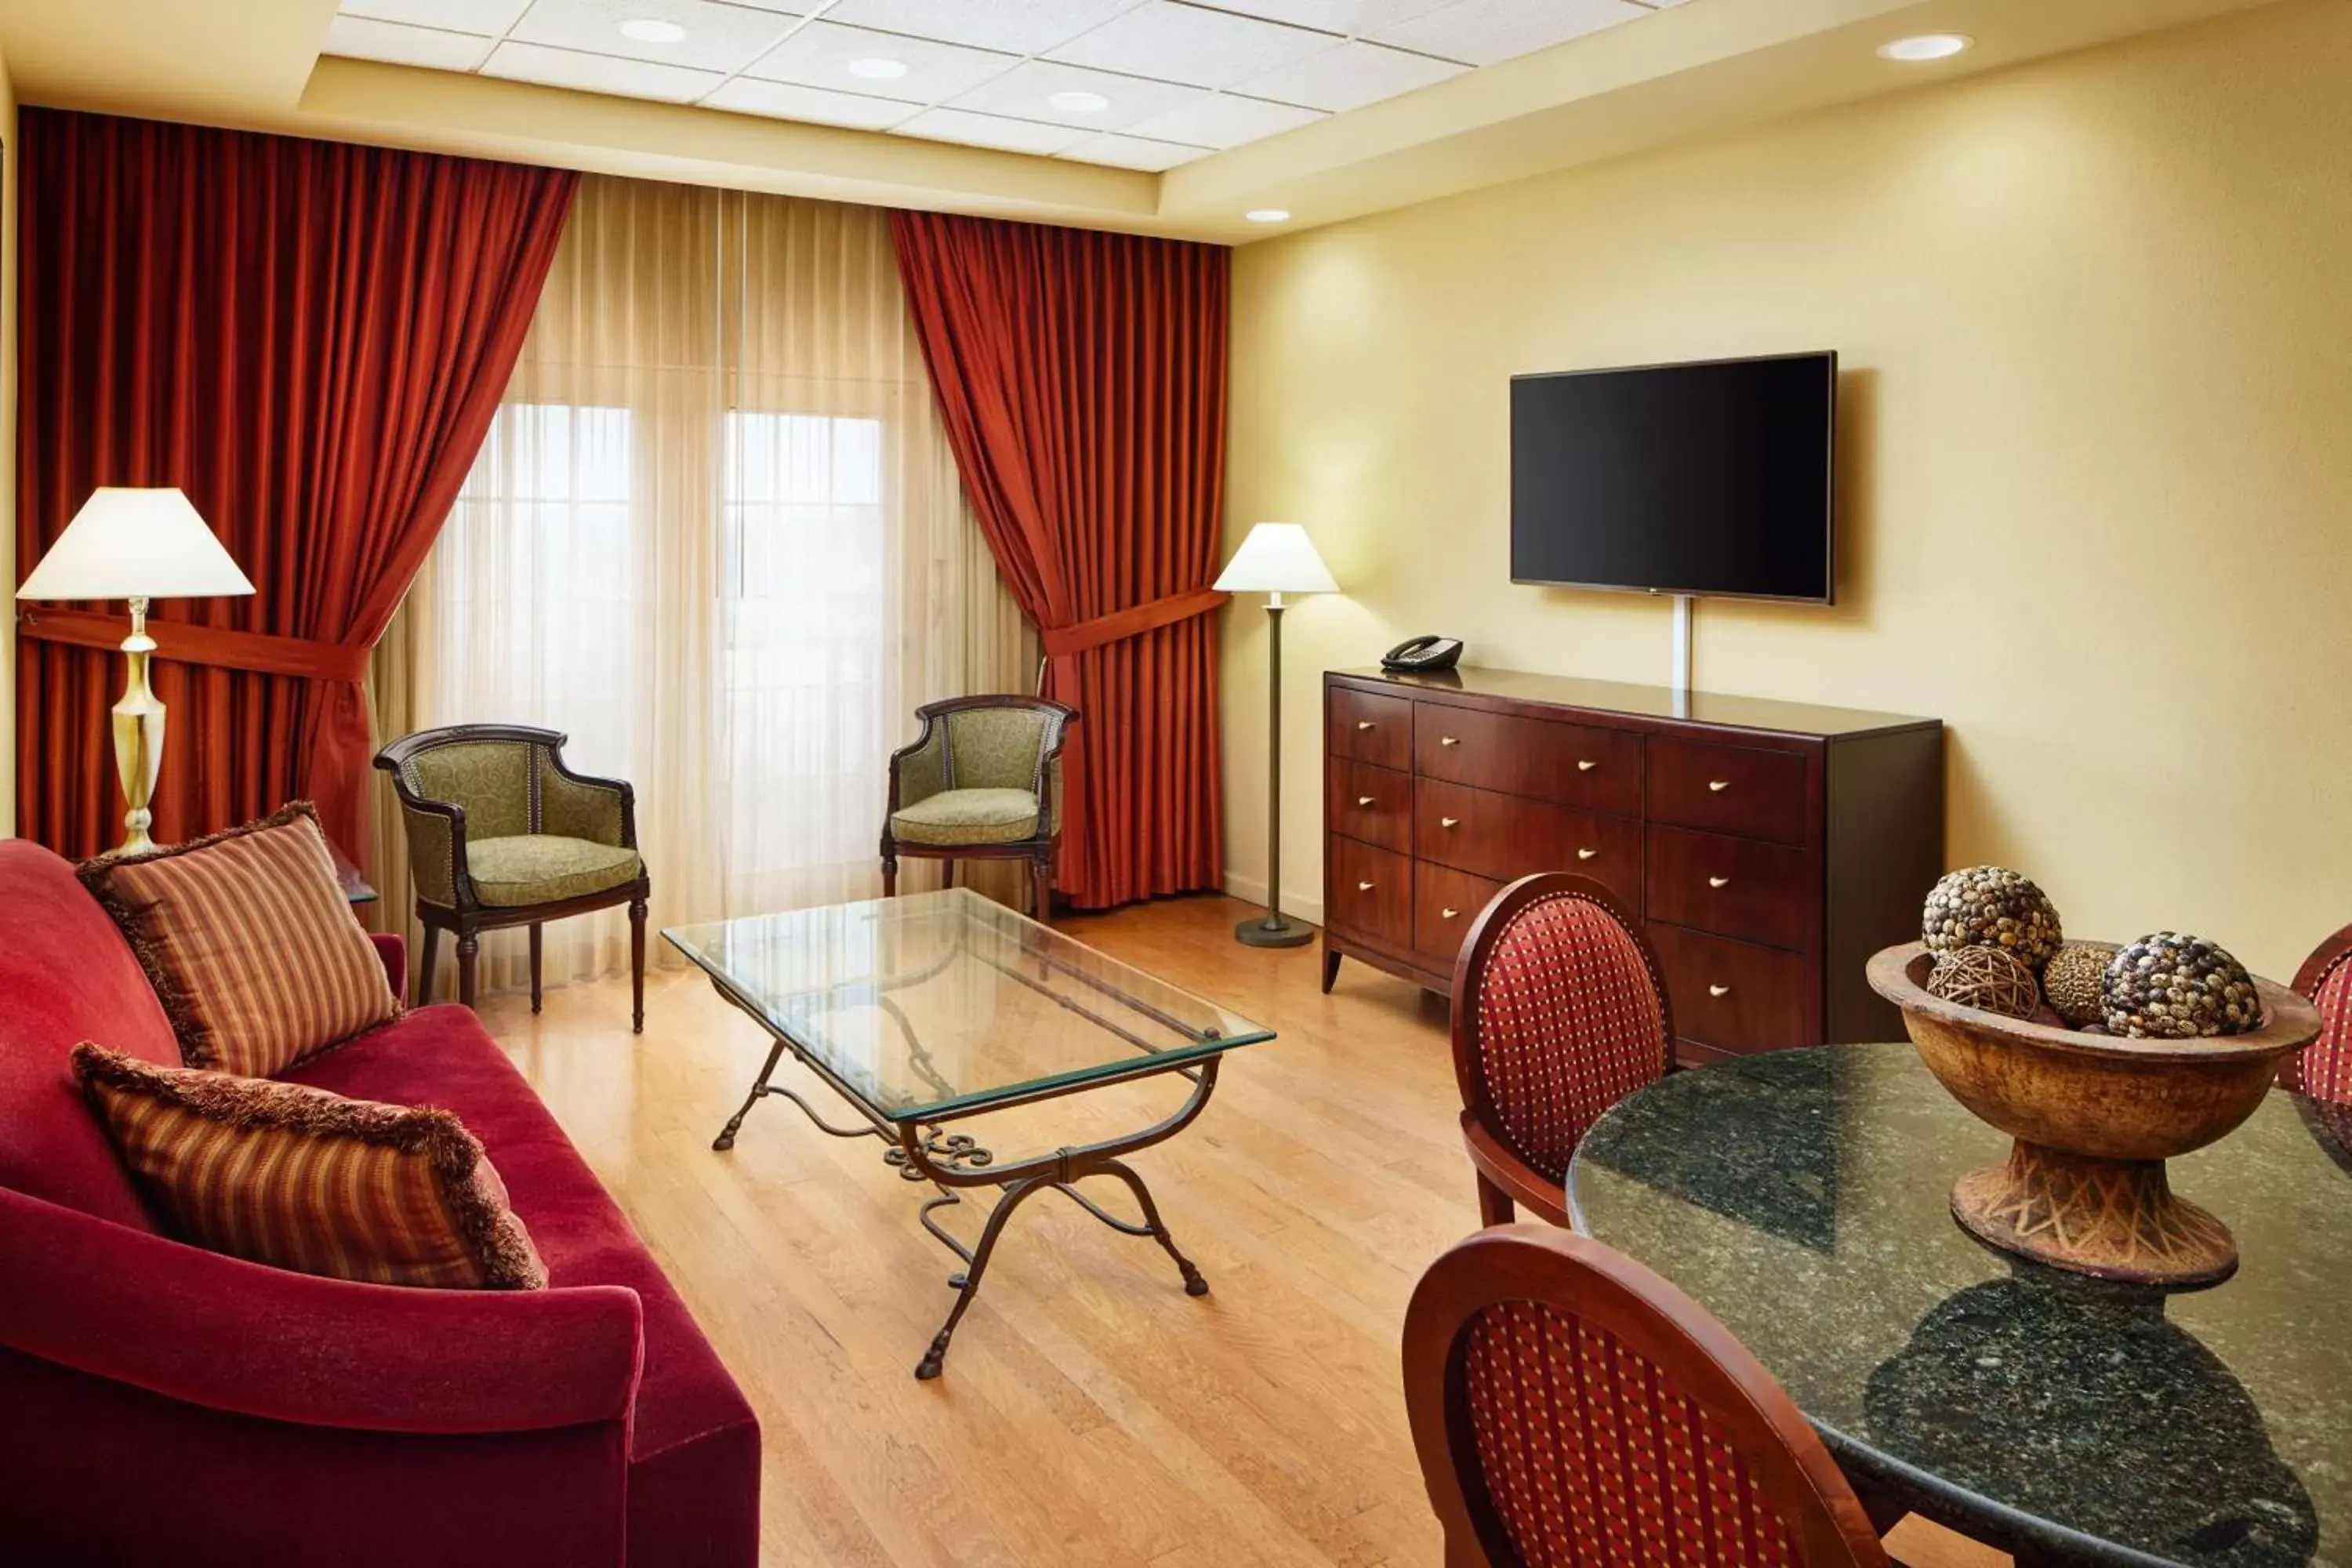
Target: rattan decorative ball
2074, 981
2168, 987
1987, 978
1992, 906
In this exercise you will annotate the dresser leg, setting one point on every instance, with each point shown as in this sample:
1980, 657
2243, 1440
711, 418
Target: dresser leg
1330, 969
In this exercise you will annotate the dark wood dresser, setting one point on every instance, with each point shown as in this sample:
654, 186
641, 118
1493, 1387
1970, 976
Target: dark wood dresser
1768, 848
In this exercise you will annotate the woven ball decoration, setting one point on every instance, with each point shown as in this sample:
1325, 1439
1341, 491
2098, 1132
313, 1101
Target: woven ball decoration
2168, 987
1991, 906
1985, 978
2076, 983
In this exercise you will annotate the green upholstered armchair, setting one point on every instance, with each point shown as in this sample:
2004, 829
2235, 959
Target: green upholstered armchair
500, 833
982, 782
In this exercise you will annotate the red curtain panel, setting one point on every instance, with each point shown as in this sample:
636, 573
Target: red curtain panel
309, 339
1083, 379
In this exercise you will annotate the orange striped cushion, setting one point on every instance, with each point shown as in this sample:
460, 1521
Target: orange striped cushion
301, 1179
249, 942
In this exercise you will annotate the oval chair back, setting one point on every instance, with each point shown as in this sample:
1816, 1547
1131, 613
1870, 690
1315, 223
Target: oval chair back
1560, 1011
2323, 1069
1568, 1406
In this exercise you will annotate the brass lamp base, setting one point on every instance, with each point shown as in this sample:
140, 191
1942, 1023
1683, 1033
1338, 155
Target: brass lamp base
138, 736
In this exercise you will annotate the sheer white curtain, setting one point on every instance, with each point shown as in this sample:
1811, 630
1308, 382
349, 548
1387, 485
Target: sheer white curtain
716, 536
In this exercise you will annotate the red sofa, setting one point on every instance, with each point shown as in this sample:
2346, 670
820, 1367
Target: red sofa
159, 1403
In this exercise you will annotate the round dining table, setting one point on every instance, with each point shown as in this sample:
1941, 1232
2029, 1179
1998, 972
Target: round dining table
1802, 1196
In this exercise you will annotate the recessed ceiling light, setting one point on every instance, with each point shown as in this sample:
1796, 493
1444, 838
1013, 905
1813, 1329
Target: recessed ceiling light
1927, 47
874, 68
1079, 102
648, 30
1267, 215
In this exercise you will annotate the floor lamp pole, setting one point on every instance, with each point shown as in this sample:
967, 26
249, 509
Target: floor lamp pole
1273, 931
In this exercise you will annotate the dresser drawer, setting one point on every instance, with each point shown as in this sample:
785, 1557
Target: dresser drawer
1731, 789
1736, 996
1370, 892
1374, 805
1368, 727
1575, 764
1733, 887
1446, 903
1503, 836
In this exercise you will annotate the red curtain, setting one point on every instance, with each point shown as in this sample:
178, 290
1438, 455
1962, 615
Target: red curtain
1083, 379
309, 339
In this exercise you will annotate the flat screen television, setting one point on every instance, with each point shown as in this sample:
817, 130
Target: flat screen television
1710, 478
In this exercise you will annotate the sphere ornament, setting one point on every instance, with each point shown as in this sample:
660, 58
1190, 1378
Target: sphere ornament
1985, 977
1992, 906
2170, 986
2074, 981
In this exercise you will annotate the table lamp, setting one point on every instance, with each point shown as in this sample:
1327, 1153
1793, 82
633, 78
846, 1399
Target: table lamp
136, 544
1278, 558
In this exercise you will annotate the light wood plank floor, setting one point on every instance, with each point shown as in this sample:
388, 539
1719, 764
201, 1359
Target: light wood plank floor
1092, 1413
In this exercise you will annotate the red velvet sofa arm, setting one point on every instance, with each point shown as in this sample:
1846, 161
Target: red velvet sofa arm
393, 948
234, 1336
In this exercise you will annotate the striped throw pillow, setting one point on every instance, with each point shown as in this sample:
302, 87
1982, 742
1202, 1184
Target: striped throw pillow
303, 1180
250, 943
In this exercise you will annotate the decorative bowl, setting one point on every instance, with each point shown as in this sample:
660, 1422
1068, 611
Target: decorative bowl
2095, 1118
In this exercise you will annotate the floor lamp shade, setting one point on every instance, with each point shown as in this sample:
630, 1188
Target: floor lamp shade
1278, 558
136, 545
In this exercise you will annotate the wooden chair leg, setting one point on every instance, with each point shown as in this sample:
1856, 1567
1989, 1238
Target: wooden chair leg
1041, 899
534, 968
636, 966
947, 872
468, 944
1494, 1204
425, 962
889, 875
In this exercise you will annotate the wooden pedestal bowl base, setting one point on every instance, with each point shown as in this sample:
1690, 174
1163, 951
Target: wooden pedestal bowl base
2117, 1219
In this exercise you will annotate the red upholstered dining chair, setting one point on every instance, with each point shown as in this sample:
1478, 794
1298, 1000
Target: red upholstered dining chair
1560, 1011
1568, 1406
2323, 1069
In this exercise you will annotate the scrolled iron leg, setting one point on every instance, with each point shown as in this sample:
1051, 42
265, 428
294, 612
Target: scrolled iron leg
725, 1138
1194, 1285
935, 1359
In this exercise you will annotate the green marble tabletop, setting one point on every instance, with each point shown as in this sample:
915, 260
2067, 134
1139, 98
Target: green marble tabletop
1803, 1197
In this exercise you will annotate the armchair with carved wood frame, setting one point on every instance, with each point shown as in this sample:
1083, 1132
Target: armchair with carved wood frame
982, 781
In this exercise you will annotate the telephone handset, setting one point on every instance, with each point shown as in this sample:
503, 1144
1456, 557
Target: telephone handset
1423, 655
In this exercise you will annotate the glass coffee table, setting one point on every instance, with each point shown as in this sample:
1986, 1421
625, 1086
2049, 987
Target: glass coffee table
938, 1007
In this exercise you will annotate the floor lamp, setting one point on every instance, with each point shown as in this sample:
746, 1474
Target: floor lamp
136, 544
1278, 558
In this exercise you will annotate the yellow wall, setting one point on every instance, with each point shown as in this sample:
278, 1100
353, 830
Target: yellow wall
2096, 317
7, 445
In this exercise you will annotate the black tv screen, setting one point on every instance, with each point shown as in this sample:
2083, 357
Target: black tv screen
1681, 478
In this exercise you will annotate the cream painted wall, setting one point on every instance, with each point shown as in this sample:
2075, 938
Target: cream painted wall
7, 445
2096, 320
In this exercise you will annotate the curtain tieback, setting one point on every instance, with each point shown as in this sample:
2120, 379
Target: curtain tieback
264, 653
1061, 642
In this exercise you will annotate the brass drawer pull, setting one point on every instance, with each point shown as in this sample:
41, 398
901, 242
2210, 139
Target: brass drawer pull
1584, 767
1718, 881
1363, 800
1718, 786
1449, 822
1363, 887
1718, 990
1586, 854
1364, 723
1447, 741
1447, 914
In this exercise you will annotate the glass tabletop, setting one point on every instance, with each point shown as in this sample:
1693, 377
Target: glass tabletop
940, 1002
1803, 1197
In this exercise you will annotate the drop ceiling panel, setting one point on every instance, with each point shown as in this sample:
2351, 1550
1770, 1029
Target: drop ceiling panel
599, 73
1485, 32
991, 131
718, 38
1134, 152
403, 45
1016, 26
484, 18
1192, 45
1350, 76
1027, 92
821, 54
789, 101
1353, 17
1222, 121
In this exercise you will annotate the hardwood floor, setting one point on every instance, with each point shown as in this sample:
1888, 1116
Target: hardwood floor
1091, 1412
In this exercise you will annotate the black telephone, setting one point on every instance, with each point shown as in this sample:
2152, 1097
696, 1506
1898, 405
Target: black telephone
1422, 656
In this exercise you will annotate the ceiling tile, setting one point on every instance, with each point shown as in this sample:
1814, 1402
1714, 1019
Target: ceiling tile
1350, 76
789, 101
483, 18
359, 38
718, 38
1482, 32
820, 53
1354, 17
1224, 121
598, 73
1016, 26
1133, 153
1026, 92
1188, 44
991, 131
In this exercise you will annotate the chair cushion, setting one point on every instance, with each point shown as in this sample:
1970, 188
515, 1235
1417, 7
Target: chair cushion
250, 943
304, 1179
543, 868
968, 816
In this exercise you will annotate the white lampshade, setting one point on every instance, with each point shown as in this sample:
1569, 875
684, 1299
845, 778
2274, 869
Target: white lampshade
1276, 558
135, 544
